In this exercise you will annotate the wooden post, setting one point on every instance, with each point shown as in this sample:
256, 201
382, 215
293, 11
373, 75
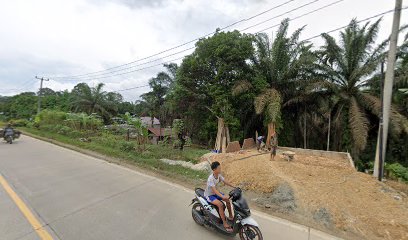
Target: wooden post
224, 144
227, 134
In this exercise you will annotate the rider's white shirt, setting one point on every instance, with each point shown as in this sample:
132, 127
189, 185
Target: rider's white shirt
212, 182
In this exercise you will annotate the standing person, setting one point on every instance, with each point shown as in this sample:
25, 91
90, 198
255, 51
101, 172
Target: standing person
274, 145
259, 142
182, 141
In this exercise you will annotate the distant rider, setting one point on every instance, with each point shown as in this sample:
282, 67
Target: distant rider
8, 131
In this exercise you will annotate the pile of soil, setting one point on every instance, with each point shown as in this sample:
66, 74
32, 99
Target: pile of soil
325, 193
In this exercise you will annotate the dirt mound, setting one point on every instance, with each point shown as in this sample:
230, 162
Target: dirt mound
282, 199
327, 192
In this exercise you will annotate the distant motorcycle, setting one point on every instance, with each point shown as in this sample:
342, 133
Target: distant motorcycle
9, 134
206, 214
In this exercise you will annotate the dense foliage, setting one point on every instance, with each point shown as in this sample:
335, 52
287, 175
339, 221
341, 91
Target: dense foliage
321, 97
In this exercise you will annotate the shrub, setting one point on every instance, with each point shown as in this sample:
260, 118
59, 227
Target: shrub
127, 146
82, 121
19, 123
398, 171
75, 134
65, 130
50, 117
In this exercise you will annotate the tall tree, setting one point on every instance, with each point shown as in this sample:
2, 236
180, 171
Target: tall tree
95, 100
205, 80
282, 67
346, 67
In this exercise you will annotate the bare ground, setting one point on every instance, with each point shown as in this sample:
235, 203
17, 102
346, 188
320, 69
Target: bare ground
325, 193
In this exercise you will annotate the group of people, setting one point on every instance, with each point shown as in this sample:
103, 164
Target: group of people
260, 145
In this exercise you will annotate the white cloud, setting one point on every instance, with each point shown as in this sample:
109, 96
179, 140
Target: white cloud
56, 37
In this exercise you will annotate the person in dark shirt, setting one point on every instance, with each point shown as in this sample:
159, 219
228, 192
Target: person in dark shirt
8, 130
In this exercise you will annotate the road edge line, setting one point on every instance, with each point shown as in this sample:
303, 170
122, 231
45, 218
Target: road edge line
36, 225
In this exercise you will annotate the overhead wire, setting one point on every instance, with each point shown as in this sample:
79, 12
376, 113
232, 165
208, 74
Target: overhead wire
181, 45
94, 77
330, 31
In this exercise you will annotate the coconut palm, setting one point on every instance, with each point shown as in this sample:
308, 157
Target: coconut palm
346, 67
281, 66
93, 100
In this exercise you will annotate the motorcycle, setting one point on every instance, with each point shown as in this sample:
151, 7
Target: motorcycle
9, 135
206, 214
9, 139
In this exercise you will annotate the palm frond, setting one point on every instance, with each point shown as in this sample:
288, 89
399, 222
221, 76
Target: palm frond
358, 125
399, 122
268, 102
241, 87
370, 102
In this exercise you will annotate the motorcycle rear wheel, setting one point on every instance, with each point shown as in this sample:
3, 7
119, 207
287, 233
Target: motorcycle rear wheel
249, 232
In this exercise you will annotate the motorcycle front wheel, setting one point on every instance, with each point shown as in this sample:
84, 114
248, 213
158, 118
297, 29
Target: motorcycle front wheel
249, 232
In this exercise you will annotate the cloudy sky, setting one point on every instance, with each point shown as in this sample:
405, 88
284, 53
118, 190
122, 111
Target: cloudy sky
55, 38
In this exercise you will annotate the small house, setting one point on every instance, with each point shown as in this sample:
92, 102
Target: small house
150, 122
158, 134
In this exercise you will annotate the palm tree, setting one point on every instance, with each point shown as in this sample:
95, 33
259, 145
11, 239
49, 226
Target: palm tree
346, 67
94, 100
281, 69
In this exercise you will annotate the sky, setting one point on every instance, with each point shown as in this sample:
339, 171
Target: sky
59, 38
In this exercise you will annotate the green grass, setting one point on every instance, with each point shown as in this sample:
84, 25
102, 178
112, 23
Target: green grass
108, 145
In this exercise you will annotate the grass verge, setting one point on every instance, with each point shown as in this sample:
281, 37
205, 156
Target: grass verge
148, 160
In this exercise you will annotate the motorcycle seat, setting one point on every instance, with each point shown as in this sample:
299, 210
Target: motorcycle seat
200, 192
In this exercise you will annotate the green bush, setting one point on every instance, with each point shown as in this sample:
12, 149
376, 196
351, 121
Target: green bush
127, 146
65, 130
31, 125
398, 171
19, 123
75, 134
82, 121
46, 117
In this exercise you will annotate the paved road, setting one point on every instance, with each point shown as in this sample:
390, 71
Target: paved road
78, 197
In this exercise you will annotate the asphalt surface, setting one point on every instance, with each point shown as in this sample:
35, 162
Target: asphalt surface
78, 197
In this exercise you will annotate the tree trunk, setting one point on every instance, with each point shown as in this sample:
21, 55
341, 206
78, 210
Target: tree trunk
218, 141
328, 134
304, 132
227, 134
271, 132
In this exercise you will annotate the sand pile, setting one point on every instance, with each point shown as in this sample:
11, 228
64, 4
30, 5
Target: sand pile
325, 192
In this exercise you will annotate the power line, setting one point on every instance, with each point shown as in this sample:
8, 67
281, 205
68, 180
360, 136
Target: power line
183, 44
363, 20
126, 89
316, 36
305, 14
87, 78
292, 10
136, 70
22, 86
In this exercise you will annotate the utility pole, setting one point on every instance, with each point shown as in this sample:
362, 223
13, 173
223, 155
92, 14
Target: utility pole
378, 152
40, 92
389, 82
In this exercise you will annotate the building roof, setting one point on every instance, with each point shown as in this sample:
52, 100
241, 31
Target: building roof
160, 133
148, 121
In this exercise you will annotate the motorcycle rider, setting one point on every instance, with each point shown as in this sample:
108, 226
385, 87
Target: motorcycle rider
8, 131
215, 197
